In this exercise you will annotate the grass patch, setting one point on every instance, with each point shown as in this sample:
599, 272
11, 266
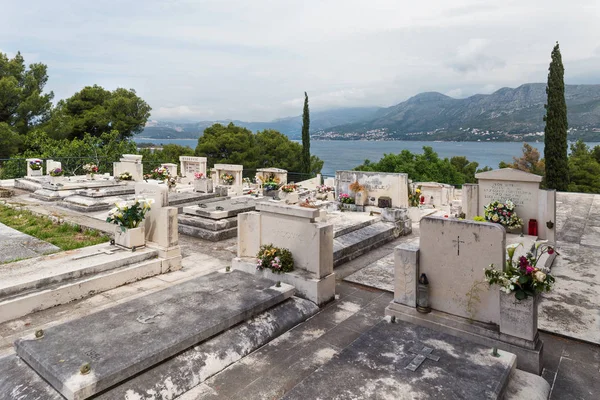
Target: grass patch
64, 236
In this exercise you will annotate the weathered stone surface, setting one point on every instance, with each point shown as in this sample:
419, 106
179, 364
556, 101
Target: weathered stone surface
44, 271
379, 275
183, 372
207, 223
406, 261
15, 245
230, 208
377, 184
529, 353
121, 341
453, 255
358, 242
374, 366
19, 382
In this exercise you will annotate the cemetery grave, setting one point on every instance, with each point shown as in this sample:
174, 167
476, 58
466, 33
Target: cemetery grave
214, 220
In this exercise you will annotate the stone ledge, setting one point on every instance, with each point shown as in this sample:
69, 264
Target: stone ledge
529, 353
319, 291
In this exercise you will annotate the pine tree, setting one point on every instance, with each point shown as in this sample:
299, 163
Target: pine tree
555, 141
305, 137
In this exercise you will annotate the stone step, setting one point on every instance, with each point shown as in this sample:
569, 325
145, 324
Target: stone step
358, 242
180, 373
527, 386
184, 198
207, 234
19, 305
344, 230
119, 342
207, 223
41, 272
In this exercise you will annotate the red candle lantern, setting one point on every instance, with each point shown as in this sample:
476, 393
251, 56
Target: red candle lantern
532, 227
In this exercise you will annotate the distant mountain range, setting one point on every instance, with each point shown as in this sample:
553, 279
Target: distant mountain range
507, 114
290, 126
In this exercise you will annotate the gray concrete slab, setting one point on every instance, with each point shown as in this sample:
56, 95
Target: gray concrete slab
178, 374
124, 340
378, 365
15, 245
183, 372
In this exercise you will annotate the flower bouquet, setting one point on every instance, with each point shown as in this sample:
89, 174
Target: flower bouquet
228, 178
414, 197
503, 213
57, 172
523, 277
90, 169
276, 259
35, 165
289, 188
198, 175
345, 199
159, 174
125, 176
324, 189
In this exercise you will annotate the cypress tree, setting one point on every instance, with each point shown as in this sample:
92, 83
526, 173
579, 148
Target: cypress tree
555, 139
305, 137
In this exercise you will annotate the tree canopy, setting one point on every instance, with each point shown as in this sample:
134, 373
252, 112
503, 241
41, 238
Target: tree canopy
95, 110
23, 104
584, 169
232, 144
555, 139
425, 167
528, 162
306, 160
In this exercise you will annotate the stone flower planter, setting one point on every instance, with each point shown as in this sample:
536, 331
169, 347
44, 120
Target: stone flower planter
289, 198
203, 185
36, 172
89, 177
56, 179
270, 193
130, 238
519, 318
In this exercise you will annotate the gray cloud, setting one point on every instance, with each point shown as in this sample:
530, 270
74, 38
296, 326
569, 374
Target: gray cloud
222, 59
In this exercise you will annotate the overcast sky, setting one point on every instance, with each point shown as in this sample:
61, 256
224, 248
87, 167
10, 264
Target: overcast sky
253, 60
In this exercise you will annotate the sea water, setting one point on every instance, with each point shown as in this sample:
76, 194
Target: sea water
344, 155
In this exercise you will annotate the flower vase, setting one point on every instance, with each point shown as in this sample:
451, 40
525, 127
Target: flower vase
130, 238
519, 318
89, 177
270, 193
360, 198
55, 180
36, 172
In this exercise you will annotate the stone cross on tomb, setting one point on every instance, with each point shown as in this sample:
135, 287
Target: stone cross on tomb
421, 355
458, 242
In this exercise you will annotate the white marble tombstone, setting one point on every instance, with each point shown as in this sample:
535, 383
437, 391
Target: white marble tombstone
190, 165
172, 168
377, 184
131, 163
235, 189
263, 173
161, 225
33, 172
51, 164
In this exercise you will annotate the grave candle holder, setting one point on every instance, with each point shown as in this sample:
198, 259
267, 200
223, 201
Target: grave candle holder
423, 295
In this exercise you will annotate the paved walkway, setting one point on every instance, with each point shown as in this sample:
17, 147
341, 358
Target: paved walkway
572, 308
